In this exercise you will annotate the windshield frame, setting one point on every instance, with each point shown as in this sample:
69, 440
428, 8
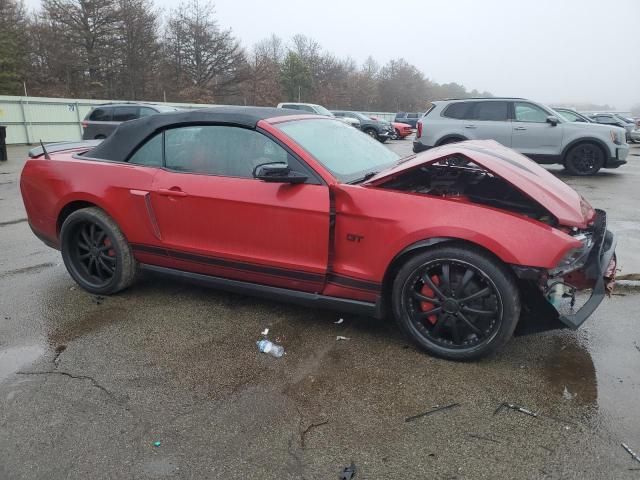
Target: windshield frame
354, 177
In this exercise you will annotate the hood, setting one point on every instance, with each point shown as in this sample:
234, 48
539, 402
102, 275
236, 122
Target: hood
524, 174
595, 126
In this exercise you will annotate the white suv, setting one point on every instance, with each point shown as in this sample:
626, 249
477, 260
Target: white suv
528, 127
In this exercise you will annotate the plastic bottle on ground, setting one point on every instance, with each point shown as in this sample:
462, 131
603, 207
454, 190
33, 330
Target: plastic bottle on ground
266, 346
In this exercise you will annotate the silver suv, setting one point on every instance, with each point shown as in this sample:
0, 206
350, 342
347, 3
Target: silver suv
102, 120
528, 127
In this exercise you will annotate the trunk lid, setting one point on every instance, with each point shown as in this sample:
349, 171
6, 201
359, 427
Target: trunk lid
524, 174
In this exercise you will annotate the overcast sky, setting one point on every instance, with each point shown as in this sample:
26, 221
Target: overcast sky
545, 50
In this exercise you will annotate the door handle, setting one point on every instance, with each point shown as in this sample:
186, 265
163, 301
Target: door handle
469, 126
172, 192
519, 128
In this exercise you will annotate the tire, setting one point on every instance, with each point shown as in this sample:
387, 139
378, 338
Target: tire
99, 137
584, 159
383, 139
456, 330
96, 253
372, 133
398, 136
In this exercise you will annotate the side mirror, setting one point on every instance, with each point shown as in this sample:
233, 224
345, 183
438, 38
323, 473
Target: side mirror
277, 172
553, 120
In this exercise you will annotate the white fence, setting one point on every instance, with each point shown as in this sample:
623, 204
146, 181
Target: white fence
31, 119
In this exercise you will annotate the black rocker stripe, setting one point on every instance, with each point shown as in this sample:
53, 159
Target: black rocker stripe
350, 282
219, 262
342, 280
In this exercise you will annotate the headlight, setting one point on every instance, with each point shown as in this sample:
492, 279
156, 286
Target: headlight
576, 257
616, 137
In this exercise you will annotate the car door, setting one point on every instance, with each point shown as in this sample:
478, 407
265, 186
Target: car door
489, 120
215, 218
532, 133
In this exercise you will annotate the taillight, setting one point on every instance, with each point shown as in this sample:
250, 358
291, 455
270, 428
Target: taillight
84, 124
419, 134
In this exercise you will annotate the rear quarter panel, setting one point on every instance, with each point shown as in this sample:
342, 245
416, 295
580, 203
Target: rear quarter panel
49, 185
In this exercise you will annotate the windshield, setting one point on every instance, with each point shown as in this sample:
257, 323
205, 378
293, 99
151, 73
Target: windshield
345, 151
624, 119
323, 111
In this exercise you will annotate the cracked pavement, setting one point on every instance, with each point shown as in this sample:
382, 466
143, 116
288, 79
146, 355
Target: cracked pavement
88, 384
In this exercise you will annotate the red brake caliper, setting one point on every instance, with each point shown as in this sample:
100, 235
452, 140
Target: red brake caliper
426, 306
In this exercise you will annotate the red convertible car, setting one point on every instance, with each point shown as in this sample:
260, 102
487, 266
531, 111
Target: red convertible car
463, 244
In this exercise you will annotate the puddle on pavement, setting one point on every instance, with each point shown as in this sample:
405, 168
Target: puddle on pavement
12, 359
571, 373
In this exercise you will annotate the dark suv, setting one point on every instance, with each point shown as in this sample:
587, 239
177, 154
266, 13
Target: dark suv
377, 129
102, 120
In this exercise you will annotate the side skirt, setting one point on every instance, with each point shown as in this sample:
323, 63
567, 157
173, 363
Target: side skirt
273, 293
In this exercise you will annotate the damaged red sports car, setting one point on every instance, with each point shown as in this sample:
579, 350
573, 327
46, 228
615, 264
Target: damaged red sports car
464, 244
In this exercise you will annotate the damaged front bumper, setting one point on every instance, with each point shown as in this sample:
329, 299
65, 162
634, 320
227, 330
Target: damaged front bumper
597, 274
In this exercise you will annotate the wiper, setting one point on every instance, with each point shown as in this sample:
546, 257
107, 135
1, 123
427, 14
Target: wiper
366, 177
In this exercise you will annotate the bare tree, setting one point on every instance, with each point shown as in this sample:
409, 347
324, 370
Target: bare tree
90, 29
262, 86
207, 61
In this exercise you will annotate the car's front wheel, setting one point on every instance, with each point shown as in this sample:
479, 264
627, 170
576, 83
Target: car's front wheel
456, 302
584, 159
96, 253
372, 133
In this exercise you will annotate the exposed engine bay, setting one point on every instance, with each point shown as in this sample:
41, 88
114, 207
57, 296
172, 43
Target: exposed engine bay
457, 177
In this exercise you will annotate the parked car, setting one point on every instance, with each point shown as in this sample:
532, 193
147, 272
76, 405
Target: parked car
401, 130
616, 120
528, 127
379, 129
307, 209
306, 107
408, 118
102, 120
571, 115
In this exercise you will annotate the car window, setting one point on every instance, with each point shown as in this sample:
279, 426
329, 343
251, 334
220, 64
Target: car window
292, 107
101, 115
122, 114
338, 114
306, 108
458, 110
527, 112
412, 115
150, 153
220, 150
496, 111
146, 111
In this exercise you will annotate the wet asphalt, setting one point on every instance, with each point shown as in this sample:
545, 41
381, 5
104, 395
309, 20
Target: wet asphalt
88, 384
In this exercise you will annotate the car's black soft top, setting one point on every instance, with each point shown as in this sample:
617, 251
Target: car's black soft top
119, 145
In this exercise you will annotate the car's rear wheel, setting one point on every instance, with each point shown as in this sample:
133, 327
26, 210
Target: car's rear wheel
584, 159
456, 302
96, 253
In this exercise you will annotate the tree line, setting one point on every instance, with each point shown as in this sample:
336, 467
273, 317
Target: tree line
129, 49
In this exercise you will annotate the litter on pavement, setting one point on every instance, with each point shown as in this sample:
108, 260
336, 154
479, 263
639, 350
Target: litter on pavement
349, 472
339, 321
273, 349
265, 332
429, 412
340, 337
517, 408
157, 443
633, 454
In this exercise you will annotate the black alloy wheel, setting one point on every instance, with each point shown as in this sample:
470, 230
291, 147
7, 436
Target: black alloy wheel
458, 306
584, 159
95, 252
